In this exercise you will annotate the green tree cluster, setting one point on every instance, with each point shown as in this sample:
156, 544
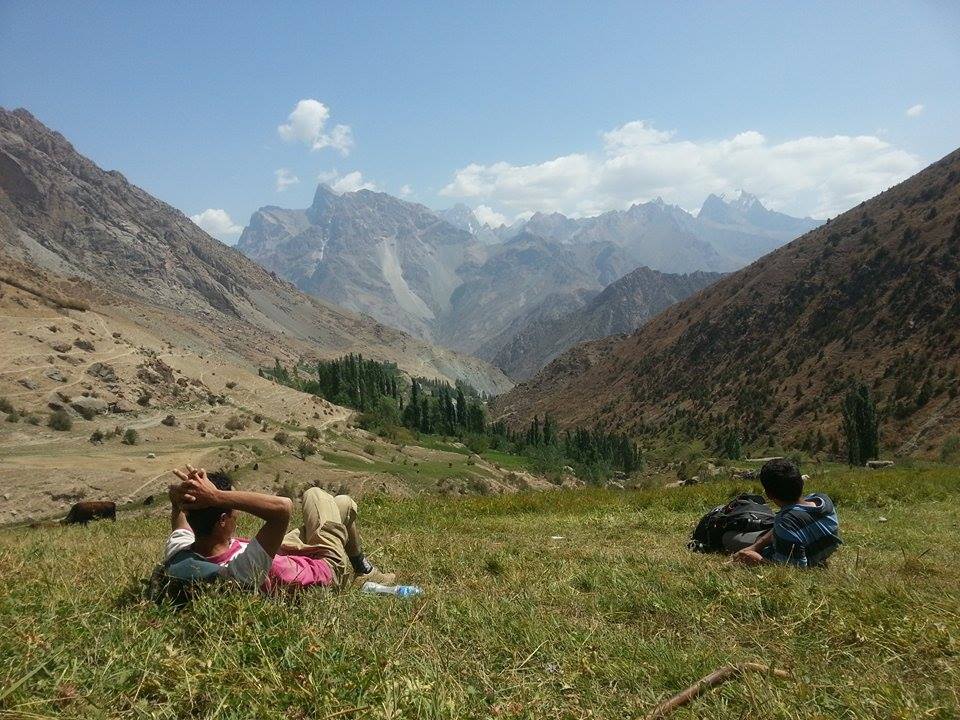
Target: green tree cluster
860, 427
435, 407
438, 407
598, 452
351, 380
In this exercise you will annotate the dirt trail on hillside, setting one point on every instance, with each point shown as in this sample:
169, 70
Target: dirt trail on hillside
42, 470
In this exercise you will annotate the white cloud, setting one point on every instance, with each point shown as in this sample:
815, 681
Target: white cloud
915, 110
351, 182
285, 179
486, 215
307, 124
818, 176
406, 191
328, 177
217, 222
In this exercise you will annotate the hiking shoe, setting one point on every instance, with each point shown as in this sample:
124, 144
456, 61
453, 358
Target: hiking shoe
376, 576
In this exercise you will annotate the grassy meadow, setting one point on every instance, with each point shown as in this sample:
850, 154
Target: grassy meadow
579, 604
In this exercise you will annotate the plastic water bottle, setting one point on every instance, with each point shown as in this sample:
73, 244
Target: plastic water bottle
403, 591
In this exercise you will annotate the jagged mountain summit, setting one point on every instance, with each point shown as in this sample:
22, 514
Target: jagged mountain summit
622, 307
723, 236
61, 213
405, 266
743, 229
365, 251
873, 296
654, 234
462, 217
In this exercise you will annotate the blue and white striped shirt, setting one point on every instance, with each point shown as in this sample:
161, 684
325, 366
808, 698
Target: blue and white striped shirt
805, 535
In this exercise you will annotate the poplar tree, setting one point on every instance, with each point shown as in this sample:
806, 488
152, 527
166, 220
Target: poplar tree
860, 426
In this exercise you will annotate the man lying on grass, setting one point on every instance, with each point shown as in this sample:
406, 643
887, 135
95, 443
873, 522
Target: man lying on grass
805, 531
325, 552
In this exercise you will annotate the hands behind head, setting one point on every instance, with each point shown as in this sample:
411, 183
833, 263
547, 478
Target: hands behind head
195, 491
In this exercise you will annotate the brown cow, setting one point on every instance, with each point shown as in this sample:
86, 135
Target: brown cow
87, 510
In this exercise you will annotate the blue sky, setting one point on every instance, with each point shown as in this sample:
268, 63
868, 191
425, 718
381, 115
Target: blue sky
509, 107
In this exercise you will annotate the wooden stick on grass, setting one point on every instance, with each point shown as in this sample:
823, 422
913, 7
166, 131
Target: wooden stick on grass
715, 678
409, 627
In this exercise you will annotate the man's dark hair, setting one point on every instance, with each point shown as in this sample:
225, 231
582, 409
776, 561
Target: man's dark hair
203, 521
781, 480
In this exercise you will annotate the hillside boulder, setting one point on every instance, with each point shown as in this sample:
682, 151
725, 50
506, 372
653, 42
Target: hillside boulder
55, 375
90, 406
103, 371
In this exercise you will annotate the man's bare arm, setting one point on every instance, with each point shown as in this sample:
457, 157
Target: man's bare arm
762, 541
275, 511
751, 555
178, 518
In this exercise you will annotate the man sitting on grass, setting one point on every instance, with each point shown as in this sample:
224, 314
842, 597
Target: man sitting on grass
805, 530
325, 552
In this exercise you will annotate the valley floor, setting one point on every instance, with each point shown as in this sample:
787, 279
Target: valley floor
579, 604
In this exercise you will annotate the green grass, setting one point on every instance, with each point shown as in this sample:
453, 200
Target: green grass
507, 461
600, 624
419, 474
439, 442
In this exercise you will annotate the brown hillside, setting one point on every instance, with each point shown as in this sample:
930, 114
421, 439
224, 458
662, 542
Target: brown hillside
61, 213
873, 294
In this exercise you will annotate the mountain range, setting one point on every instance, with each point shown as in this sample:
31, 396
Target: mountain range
723, 235
450, 279
872, 296
61, 216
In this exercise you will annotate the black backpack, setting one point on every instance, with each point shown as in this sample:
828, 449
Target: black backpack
745, 513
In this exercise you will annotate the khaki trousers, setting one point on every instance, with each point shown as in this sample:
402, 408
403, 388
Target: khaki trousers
324, 531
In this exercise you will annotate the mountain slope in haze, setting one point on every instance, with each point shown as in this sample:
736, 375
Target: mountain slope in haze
743, 229
365, 251
725, 235
517, 279
622, 307
62, 213
873, 295
553, 307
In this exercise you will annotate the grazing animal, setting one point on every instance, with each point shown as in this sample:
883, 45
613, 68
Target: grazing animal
87, 510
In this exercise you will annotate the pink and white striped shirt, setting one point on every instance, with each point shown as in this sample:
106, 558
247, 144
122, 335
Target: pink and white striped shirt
249, 564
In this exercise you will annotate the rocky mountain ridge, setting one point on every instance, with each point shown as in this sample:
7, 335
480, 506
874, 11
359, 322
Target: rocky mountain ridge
448, 278
408, 268
724, 235
61, 213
